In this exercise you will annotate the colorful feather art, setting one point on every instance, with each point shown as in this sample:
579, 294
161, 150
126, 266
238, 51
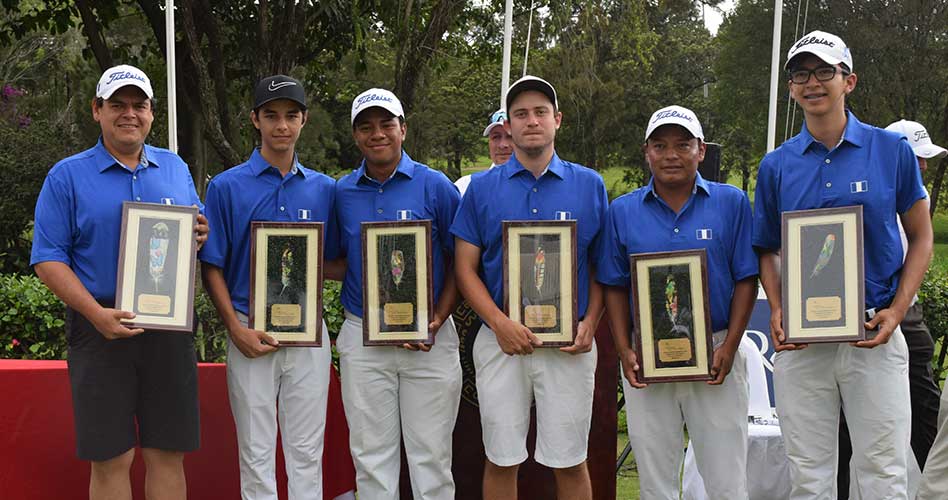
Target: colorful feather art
398, 266
671, 298
825, 254
539, 267
286, 266
158, 251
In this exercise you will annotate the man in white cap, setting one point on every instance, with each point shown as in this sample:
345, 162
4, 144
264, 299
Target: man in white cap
679, 210
411, 391
837, 161
925, 393
511, 369
129, 386
266, 383
499, 146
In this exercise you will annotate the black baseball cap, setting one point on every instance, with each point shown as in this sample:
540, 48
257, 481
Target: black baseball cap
279, 87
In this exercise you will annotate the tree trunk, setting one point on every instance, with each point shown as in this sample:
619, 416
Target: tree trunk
92, 29
936, 186
414, 52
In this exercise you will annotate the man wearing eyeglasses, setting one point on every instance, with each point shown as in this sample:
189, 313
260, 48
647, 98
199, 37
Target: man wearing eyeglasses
837, 161
499, 146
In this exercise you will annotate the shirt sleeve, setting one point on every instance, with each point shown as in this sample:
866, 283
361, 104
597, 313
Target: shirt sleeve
744, 262
465, 224
602, 208
54, 223
331, 241
766, 232
909, 187
446, 203
613, 262
195, 199
214, 251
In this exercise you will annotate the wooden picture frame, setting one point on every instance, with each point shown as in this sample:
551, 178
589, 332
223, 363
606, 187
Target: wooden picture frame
672, 316
286, 281
156, 266
397, 291
540, 289
823, 278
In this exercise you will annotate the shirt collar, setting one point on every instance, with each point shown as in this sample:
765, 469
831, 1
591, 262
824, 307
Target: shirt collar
104, 160
259, 164
700, 185
855, 134
514, 167
406, 167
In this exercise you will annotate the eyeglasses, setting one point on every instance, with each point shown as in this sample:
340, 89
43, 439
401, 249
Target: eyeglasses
498, 117
823, 74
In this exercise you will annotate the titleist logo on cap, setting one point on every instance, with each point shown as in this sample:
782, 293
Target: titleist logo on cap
372, 97
811, 40
921, 134
671, 113
122, 75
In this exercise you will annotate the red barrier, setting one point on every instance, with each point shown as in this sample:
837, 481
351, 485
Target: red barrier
37, 439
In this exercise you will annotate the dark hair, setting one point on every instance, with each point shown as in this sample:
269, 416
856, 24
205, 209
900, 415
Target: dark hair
401, 119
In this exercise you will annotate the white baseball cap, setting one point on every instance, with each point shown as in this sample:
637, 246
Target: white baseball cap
497, 119
119, 76
675, 115
918, 138
531, 83
377, 98
827, 46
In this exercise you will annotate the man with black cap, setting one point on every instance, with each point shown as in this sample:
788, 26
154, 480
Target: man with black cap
265, 382
129, 386
409, 392
512, 369
837, 161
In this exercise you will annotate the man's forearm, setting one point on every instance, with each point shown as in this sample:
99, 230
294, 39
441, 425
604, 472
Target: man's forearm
596, 303
63, 282
770, 278
918, 232
616, 300
742, 304
216, 286
448, 300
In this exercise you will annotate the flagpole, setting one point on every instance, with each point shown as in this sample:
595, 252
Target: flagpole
172, 91
505, 72
774, 77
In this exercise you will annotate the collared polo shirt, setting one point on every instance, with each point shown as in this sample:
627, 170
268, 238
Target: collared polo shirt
511, 192
423, 193
257, 191
871, 167
716, 218
78, 216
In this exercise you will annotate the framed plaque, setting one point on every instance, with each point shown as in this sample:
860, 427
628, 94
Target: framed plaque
286, 281
157, 255
672, 315
823, 281
397, 287
540, 278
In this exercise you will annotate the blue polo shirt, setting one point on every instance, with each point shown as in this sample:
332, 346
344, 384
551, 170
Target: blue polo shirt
871, 167
257, 191
716, 218
425, 193
78, 216
510, 192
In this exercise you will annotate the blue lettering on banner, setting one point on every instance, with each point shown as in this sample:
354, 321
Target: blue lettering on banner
122, 75
671, 113
859, 186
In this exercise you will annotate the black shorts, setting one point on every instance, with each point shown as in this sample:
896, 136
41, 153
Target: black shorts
140, 390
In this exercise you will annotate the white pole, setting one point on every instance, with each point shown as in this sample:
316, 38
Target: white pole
505, 72
526, 52
172, 93
774, 76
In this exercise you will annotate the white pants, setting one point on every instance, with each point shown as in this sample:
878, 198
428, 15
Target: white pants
716, 416
295, 379
872, 387
391, 393
562, 385
935, 477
